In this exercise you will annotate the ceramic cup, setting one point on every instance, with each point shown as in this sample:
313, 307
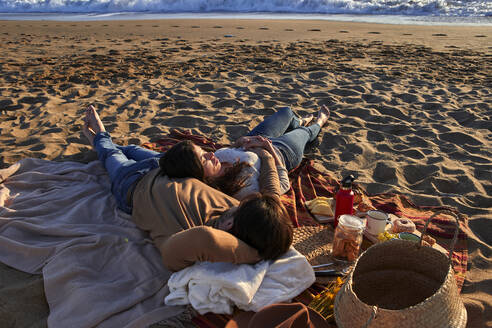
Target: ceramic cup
376, 222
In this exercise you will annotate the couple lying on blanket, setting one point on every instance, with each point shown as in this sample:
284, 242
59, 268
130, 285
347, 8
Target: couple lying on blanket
203, 206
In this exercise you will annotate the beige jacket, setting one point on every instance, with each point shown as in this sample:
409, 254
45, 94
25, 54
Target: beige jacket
181, 216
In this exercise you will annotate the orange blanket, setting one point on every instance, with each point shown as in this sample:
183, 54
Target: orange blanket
307, 182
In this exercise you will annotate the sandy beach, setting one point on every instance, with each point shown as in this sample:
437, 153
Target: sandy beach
410, 107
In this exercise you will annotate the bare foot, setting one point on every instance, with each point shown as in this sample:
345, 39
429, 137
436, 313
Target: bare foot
323, 115
88, 132
304, 121
92, 124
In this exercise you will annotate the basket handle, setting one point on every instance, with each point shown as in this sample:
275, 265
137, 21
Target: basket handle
456, 231
372, 317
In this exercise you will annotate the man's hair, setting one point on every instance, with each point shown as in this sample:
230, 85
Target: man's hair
262, 222
181, 161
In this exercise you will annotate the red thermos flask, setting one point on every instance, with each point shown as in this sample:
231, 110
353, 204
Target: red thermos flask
344, 203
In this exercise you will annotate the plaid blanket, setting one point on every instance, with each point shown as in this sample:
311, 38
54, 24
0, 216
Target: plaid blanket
307, 182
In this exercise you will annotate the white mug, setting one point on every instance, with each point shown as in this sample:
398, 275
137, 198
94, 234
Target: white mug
376, 222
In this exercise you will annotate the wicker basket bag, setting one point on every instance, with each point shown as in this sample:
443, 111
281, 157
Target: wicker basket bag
400, 283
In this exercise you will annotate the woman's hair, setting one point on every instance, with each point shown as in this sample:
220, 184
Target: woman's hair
181, 161
262, 222
231, 181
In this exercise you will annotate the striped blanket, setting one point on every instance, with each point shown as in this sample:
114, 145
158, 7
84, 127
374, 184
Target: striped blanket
307, 182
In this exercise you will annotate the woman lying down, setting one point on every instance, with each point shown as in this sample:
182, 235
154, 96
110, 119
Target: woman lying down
189, 220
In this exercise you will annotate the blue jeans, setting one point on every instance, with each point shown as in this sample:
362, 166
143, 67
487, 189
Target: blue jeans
284, 130
125, 165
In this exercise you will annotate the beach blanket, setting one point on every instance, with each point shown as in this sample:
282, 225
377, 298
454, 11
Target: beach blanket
218, 287
99, 269
307, 182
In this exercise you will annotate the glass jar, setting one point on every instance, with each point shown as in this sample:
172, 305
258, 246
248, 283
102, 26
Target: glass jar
348, 238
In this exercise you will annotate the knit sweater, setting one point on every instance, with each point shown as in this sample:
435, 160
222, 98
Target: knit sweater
252, 172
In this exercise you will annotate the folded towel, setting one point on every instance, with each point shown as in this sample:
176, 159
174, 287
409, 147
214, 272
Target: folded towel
217, 287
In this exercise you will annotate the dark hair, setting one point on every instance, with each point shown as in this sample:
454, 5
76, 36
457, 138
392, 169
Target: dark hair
262, 222
232, 180
181, 161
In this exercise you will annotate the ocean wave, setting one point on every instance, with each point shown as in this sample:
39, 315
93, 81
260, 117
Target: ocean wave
462, 8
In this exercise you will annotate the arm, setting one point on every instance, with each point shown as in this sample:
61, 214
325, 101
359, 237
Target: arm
269, 178
258, 142
283, 177
204, 243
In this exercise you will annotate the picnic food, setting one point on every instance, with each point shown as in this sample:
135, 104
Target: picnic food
403, 225
409, 236
320, 206
428, 240
384, 236
347, 238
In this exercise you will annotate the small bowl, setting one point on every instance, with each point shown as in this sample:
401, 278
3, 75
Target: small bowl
408, 236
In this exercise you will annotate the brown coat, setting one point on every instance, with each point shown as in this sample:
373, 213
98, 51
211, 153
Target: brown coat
180, 215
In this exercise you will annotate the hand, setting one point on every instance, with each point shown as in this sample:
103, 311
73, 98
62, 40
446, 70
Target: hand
241, 141
261, 152
258, 141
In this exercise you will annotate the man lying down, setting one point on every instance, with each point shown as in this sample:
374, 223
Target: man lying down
188, 220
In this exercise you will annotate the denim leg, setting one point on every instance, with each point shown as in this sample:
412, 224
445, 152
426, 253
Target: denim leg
123, 172
277, 124
138, 153
110, 155
292, 143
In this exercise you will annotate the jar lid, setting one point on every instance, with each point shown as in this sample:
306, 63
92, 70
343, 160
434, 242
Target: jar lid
350, 221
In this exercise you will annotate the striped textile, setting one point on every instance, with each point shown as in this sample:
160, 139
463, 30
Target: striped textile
307, 182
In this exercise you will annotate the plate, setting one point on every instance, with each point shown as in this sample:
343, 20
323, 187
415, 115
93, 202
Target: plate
323, 219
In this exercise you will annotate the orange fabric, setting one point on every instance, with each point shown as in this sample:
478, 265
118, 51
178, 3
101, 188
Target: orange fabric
308, 182
279, 315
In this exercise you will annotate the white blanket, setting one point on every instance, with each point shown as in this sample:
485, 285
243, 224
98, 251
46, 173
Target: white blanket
217, 287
